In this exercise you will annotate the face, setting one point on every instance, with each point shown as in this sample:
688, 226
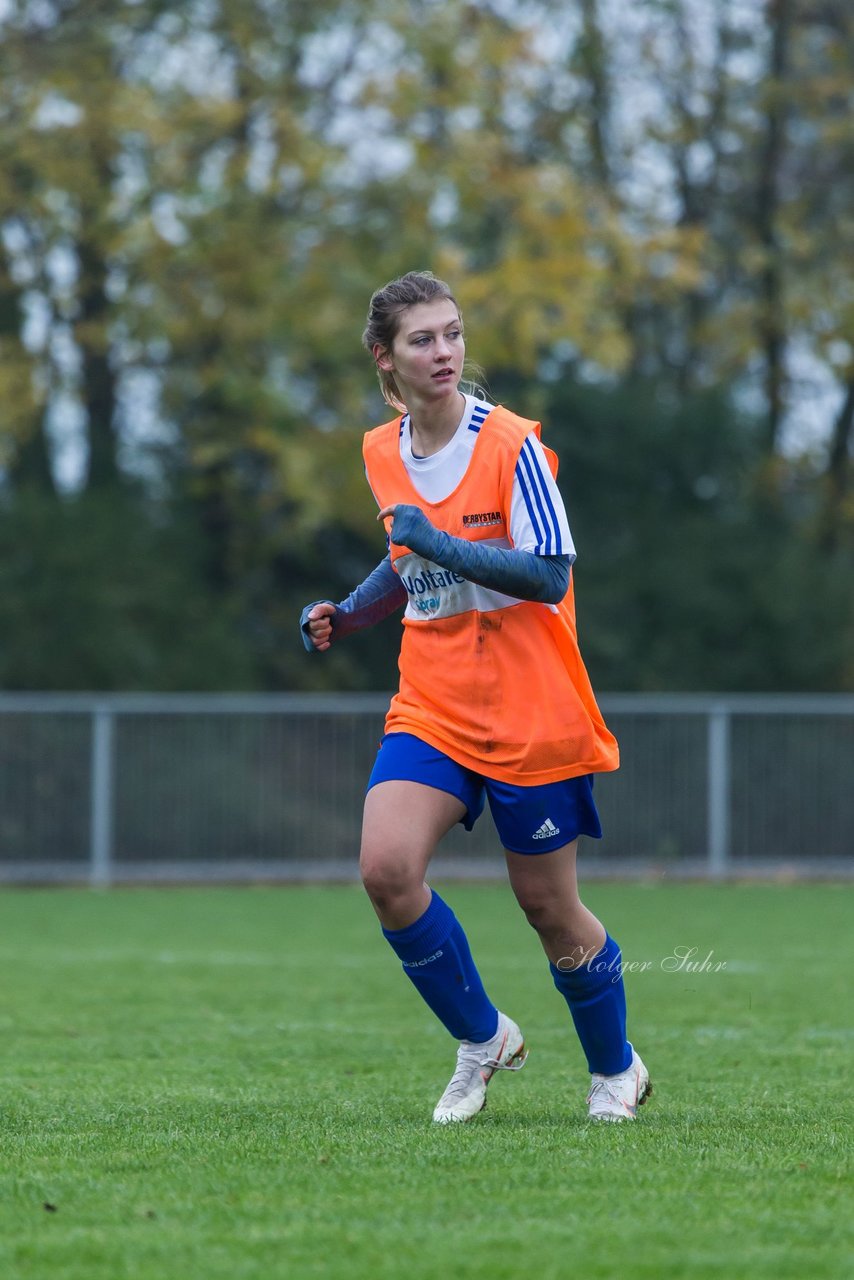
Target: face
427, 353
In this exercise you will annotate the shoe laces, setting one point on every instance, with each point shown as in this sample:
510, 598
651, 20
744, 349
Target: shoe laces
471, 1058
603, 1091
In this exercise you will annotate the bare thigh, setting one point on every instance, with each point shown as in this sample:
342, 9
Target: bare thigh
402, 824
546, 888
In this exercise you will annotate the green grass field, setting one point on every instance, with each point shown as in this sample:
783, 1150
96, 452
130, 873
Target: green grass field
229, 1083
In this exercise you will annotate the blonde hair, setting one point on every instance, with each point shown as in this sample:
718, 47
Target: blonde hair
384, 314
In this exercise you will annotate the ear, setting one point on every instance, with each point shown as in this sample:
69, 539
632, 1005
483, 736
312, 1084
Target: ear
383, 357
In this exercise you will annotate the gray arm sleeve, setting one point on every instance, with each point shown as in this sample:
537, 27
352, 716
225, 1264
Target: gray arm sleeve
517, 573
376, 598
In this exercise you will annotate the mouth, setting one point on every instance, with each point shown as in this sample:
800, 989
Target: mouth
442, 375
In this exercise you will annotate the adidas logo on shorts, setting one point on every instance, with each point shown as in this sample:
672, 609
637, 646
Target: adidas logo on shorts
547, 829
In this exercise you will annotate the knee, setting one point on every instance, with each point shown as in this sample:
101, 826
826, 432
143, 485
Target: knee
387, 877
553, 917
539, 911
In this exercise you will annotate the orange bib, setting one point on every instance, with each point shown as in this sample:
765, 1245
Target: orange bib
494, 682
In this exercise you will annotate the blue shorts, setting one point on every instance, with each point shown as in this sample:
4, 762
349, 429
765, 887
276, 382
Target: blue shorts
528, 819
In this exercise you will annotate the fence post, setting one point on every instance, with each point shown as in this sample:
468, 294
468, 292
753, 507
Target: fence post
102, 800
718, 791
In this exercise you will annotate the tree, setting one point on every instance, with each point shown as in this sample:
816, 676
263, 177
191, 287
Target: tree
648, 201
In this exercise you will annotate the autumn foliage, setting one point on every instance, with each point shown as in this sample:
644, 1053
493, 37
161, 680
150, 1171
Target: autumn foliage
645, 210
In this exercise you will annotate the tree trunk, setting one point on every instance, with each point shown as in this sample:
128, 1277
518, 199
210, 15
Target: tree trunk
23, 424
772, 326
31, 467
98, 378
592, 56
838, 468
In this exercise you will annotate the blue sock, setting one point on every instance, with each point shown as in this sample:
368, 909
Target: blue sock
597, 1002
437, 960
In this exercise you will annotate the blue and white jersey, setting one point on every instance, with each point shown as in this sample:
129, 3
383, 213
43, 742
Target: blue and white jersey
538, 520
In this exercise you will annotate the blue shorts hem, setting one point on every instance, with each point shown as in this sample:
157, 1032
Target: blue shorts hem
408, 759
466, 821
538, 853
525, 818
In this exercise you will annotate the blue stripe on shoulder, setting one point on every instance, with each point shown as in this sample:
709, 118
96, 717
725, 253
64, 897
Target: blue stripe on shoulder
479, 414
526, 494
530, 463
544, 477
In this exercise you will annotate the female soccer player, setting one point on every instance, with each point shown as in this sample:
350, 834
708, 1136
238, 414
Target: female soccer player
494, 700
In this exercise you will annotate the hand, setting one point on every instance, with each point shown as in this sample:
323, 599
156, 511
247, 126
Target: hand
316, 623
411, 528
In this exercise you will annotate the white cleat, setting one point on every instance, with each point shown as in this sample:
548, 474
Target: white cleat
618, 1097
465, 1095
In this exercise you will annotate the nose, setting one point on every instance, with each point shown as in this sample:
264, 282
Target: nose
443, 348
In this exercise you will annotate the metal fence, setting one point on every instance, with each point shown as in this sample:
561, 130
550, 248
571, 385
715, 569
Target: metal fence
123, 788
